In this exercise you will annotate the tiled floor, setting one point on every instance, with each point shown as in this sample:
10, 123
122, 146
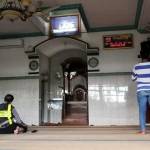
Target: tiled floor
77, 138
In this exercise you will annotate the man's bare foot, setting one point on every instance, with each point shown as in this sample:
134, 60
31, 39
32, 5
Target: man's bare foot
142, 132
16, 131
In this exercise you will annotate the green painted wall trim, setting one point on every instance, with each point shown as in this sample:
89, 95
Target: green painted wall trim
19, 78
109, 74
20, 35
138, 12
84, 18
113, 28
89, 74
70, 6
143, 31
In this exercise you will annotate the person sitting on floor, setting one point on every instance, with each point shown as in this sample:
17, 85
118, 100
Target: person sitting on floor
10, 121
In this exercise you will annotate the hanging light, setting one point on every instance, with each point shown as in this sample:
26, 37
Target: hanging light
15, 9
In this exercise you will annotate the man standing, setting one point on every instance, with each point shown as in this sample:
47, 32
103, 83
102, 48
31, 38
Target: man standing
141, 74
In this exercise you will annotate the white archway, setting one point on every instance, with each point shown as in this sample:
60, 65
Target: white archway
53, 46
51, 54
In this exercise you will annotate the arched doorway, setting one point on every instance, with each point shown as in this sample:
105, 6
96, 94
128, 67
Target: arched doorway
62, 61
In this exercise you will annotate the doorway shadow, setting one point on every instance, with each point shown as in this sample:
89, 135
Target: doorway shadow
75, 110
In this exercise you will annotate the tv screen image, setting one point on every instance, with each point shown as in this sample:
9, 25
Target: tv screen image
65, 25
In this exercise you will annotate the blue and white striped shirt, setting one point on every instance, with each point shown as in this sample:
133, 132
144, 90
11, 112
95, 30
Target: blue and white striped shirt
141, 73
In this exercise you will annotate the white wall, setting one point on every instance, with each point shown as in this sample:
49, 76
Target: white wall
26, 97
112, 100
105, 107
14, 63
14, 79
116, 60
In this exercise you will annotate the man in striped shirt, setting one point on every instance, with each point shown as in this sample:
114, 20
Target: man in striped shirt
141, 74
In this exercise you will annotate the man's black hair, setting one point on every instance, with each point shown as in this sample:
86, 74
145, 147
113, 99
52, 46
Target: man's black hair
145, 50
144, 54
9, 98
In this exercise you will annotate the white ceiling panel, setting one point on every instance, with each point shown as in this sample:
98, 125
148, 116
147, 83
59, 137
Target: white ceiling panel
98, 14
110, 12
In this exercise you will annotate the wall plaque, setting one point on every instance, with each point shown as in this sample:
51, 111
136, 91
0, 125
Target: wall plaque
117, 41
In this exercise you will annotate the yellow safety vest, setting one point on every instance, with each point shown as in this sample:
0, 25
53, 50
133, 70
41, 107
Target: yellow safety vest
7, 114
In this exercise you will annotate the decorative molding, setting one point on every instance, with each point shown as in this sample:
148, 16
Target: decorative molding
33, 52
33, 73
13, 43
20, 35
33, 57
138, 12
19, 78
113, 28
109, 74
142, 31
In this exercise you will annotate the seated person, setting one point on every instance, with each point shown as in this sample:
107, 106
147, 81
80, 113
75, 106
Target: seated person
10, 121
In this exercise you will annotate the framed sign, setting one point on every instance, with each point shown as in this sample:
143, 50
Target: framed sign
117, 41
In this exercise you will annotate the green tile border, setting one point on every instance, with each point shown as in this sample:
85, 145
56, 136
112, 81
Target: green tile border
138, 12
113, 28
90, 74
19, 78
143, 31
20, 35
109, 74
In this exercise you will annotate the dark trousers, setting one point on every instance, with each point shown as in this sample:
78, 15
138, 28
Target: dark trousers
10, 129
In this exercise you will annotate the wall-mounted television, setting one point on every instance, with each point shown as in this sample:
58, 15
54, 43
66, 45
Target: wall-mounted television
67, 25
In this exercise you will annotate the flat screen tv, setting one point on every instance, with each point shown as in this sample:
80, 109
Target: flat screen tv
67, 25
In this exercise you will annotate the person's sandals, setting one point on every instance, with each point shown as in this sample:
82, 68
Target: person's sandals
142, 132
34, 131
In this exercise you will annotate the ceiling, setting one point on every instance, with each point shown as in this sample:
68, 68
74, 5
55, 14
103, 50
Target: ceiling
97, 15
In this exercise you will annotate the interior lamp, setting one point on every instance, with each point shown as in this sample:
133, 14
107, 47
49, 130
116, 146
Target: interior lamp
16, 9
